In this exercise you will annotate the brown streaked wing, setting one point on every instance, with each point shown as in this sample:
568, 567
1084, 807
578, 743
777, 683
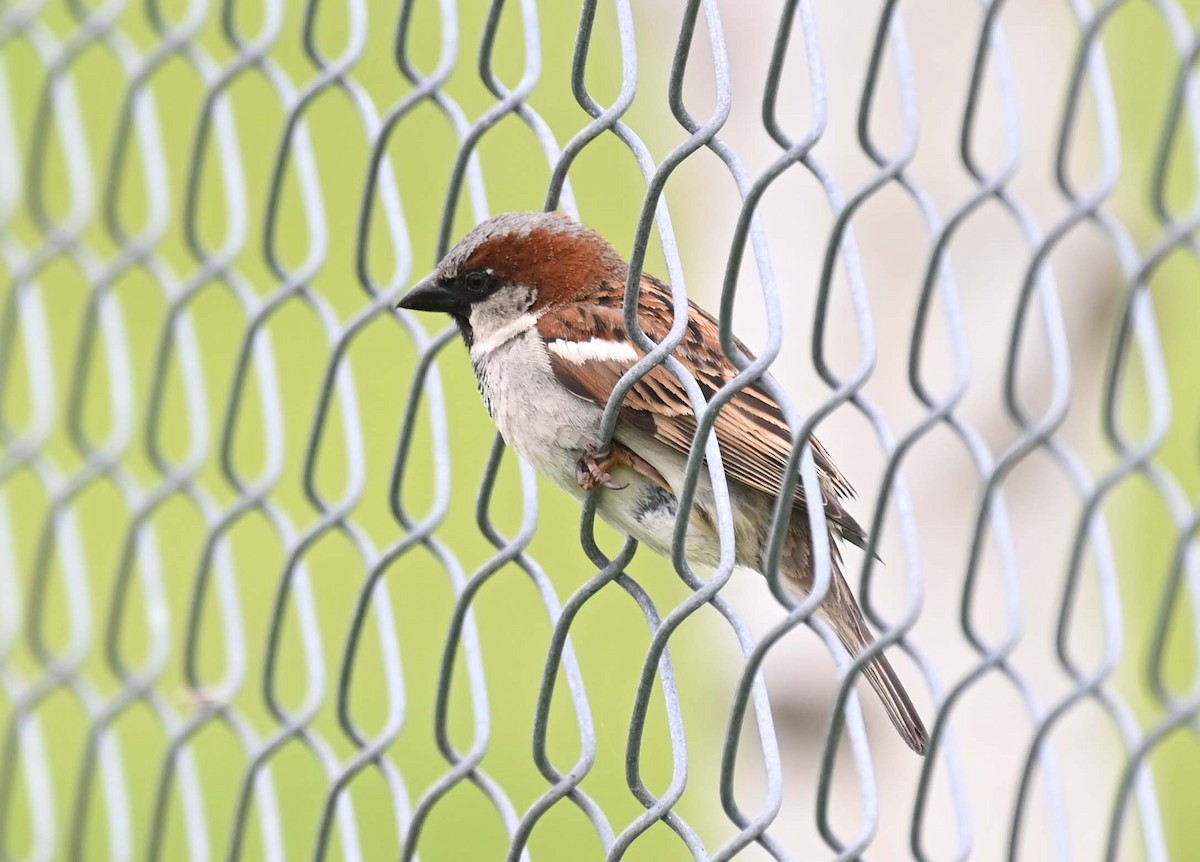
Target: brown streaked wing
754, 437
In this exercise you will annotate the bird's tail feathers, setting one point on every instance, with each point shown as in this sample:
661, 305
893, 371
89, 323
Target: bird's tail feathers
843, 614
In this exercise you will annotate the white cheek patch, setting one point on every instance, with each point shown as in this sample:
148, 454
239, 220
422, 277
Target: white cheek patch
489, 335
594, 350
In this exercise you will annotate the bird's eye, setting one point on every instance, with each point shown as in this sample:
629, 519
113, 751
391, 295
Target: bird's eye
476, 281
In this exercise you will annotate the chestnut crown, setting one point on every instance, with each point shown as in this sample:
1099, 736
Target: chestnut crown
552, 256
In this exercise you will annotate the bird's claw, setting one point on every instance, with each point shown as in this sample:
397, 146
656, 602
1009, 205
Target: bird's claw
593, 471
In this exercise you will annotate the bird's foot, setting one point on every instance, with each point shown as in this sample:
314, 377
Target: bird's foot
594, 470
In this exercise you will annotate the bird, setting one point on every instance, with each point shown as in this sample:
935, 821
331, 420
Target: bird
538, 298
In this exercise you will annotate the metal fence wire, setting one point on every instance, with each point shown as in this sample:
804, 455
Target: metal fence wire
268, 585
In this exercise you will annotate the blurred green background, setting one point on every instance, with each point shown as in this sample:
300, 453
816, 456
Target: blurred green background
610, 637
1146, 534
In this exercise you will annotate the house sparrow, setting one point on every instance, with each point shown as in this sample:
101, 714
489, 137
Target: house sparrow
539, 300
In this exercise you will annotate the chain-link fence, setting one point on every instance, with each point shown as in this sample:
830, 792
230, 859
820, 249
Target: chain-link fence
270, 586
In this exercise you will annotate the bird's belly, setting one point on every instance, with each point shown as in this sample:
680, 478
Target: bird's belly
649, 513
552, 429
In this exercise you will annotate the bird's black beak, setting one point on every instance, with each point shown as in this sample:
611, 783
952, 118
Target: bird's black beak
431, 295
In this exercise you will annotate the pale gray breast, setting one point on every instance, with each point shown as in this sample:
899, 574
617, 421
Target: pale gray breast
548, 425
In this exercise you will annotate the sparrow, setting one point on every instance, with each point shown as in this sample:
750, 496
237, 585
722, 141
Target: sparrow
539, 300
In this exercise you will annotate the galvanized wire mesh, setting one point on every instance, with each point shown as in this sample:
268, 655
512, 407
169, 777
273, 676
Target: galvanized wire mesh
167, 294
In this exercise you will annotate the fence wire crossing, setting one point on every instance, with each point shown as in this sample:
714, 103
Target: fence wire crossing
209, 537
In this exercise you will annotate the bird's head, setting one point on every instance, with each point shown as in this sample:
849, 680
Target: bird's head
516, 264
